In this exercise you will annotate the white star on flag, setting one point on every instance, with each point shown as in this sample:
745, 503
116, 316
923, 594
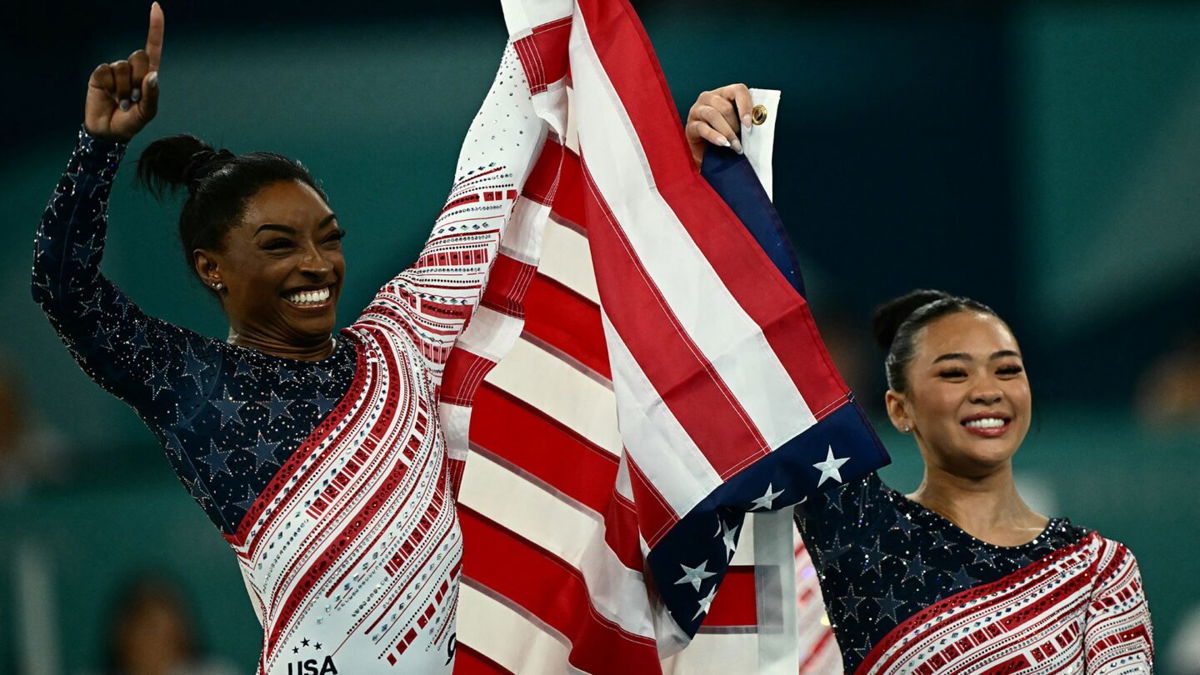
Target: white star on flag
764, 502
705, 602
695, 575
829, 468
729, 536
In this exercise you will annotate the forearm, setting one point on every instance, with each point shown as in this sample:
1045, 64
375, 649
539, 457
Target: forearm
70, 237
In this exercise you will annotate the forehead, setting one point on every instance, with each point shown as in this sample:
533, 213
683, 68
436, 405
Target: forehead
286, 203
974, 333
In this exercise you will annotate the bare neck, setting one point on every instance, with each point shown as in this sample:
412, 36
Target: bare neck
987, 506
315, 351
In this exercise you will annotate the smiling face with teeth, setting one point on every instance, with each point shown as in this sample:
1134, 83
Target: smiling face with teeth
967, 400
281, 270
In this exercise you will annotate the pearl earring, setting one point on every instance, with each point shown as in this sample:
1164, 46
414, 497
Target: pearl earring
907, 428
218, 286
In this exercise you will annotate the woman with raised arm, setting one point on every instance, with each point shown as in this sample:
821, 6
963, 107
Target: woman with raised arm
319, 456
961, 576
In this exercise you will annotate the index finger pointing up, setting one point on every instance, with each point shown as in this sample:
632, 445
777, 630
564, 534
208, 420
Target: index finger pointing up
154, 38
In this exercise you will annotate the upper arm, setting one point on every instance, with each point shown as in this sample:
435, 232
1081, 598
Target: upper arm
1118, 637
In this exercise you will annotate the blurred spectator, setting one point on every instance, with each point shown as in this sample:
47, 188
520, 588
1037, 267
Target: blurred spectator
152, 632
1183, 654
29, 451
1169, 391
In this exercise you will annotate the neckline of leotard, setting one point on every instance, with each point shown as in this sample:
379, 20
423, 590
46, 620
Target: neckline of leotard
1055, 524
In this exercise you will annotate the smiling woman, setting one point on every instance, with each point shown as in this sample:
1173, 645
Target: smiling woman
961, 576
964, 575
318, 455
258, 231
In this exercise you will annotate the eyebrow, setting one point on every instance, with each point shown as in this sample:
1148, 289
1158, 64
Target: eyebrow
963, 356
291, 230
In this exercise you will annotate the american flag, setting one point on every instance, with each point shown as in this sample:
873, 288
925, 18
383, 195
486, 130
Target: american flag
642, 373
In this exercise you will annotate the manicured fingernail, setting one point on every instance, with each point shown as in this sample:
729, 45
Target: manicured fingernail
724, 142
125, 104
737, 146
152, 81
136, 95
746, 121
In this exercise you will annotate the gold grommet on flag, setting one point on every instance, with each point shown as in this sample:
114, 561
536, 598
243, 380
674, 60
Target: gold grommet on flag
758, 115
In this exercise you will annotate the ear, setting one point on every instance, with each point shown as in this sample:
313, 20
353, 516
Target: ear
208, 267
896, 404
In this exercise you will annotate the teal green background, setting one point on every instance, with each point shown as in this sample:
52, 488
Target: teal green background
1045, 159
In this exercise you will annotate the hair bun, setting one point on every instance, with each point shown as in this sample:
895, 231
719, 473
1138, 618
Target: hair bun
175, 161
891, 315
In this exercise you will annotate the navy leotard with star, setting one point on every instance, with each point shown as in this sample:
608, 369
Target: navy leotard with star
908, 591
227, 416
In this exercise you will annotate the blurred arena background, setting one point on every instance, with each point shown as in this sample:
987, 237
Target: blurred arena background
1041, 157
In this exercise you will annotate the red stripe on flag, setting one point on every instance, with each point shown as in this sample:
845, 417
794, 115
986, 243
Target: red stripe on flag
736, 603
675, 366
460, 380
543, 54
621, 532
540, 185
567, 321
628, 58
520, 434
507, 284
524, 573
568, 199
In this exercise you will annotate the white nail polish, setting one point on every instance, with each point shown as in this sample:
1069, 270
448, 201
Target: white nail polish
124, 105
725, 143
737, 147
136, 95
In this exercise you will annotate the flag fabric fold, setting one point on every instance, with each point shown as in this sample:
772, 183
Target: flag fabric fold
641, 372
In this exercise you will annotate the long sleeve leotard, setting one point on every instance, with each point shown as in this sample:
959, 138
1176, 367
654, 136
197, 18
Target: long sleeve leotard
328, 478
909, 592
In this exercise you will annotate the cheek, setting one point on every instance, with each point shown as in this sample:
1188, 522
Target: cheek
935, 405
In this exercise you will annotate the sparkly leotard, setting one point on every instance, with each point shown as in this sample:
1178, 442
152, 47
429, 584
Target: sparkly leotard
328, 478
909, 592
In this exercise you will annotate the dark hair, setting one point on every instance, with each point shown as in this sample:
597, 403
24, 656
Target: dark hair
218, 182
898, 320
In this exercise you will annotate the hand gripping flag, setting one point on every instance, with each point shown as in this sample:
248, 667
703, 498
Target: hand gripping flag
642, 370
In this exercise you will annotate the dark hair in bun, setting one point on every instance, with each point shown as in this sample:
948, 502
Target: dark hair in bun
898, 320
218, 184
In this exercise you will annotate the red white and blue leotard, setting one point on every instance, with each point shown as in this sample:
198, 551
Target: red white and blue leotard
909, 592
328, 478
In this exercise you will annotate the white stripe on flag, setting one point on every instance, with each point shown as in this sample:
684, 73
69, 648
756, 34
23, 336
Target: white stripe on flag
732, 343
568, 530
509, 637
655, 440
494, 334
560, 391
523, 238
567, 259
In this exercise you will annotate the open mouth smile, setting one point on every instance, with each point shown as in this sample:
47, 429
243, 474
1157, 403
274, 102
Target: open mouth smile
987, 425
317, 298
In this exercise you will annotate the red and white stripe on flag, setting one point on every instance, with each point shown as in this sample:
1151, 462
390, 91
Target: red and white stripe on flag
635, 362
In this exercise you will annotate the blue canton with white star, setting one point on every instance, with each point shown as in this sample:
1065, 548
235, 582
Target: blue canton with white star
882, 558
228, 417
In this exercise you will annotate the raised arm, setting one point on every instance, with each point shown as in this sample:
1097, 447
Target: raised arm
434, 298
116, 343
